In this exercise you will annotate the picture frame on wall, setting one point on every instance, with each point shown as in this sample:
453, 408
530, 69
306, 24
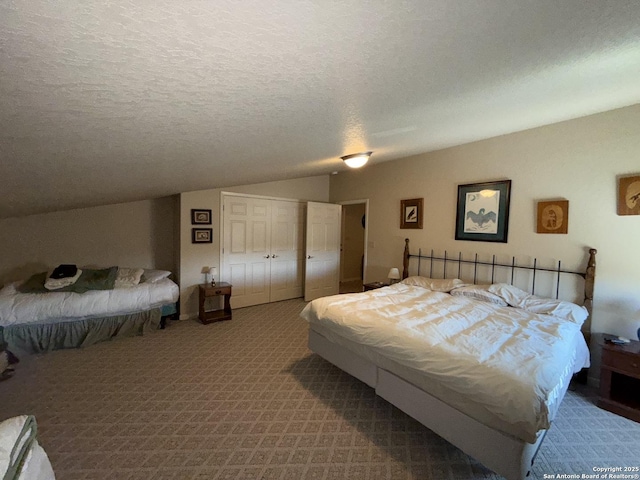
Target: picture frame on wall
411, 213
482, 214
629, 195
200, 216
553, 216
201, 235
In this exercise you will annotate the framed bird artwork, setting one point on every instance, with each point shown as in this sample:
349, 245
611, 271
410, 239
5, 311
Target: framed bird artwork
483, 211
411, 213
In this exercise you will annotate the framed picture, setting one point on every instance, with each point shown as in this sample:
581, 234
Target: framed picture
553, 216
629, 195
200, 217
411, 213
483, 211
201, 235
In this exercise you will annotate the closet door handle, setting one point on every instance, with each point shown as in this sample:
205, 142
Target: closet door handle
266, 256
274, 256
309, 256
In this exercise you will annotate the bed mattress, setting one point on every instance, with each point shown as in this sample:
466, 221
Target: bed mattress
41, 308
505, 367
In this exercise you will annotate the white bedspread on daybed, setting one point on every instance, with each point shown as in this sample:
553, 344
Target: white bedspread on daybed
505, 367
39, 308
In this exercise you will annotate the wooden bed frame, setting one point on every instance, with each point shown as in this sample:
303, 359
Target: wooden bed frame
502, 453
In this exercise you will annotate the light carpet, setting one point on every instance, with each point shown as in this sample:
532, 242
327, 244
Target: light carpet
246, 399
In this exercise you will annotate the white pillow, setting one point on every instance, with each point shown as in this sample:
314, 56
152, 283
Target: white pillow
436, 284
557, 308
510, 294
153, 276
547, 306
128, 277
479, 292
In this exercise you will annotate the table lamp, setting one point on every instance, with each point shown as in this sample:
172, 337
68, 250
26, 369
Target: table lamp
205, 272
213, 271
394, 276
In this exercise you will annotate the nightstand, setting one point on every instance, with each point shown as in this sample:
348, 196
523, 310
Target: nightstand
207, 291
620, 379
374, 285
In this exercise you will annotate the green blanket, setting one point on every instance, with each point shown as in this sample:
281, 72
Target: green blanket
21, 446
90, 279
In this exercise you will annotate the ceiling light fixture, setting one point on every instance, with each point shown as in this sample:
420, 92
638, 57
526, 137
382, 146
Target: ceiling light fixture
356, 160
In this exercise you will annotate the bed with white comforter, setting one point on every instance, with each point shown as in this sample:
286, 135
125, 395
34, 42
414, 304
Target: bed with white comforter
505, 368
39, 322
51, 307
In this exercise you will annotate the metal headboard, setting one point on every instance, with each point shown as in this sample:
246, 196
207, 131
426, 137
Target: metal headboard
588, 275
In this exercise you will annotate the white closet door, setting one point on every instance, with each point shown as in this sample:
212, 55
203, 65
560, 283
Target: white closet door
322, 269
287, 250
247, 249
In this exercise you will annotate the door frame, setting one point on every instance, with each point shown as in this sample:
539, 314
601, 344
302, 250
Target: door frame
366, 231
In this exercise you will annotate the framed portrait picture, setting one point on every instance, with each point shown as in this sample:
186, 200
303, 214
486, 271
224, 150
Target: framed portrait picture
201, 235
483, 211
411, 213
553, 216
629, 195
200, 217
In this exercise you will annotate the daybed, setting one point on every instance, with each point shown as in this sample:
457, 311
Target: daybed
39, 322
487, 375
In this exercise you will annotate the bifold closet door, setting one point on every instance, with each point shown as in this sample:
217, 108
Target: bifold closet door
263, 249
247, 249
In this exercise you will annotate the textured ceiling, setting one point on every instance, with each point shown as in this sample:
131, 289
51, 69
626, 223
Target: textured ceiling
105, 102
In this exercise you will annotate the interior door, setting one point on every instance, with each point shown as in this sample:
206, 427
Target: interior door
287, 250
322, 265
247, 249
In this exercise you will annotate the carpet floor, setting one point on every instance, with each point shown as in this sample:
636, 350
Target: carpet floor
246, 399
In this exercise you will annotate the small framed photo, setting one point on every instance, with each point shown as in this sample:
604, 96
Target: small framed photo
629, 195
200, 217
411, 213
553, 216
483, 211
201, 235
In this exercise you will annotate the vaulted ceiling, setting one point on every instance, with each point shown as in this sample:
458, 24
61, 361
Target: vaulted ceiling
105, 102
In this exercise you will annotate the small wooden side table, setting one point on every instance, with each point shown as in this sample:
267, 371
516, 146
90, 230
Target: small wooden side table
206, 290
374, 285
620, 379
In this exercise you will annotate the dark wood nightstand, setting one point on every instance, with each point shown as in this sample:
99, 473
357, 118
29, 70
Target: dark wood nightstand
620, 379
205, 291
374, 285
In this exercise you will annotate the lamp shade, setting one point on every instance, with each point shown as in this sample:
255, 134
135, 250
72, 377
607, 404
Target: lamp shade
205, 270
356, 160
394, 274
213, 271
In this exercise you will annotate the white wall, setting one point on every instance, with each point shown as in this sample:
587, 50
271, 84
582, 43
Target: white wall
135, 234
578, 160
195, 256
